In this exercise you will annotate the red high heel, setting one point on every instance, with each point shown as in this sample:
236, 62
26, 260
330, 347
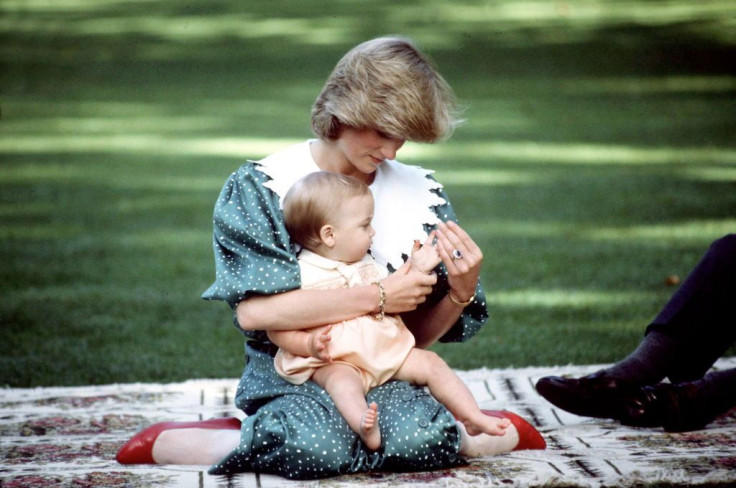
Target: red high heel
529, 437
139, 449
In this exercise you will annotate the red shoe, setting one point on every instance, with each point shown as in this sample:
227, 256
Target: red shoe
529, 437
138, 450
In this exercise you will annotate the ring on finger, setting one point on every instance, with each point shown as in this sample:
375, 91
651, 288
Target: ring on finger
456, 254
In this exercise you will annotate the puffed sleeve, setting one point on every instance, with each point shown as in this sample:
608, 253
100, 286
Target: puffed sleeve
253, 253
475, 314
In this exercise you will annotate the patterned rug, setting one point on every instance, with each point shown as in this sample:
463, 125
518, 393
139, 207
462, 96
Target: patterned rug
68, 437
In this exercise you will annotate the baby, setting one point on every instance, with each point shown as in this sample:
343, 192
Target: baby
329, 215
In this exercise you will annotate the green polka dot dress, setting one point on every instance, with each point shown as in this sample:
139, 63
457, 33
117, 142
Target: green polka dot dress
295, 431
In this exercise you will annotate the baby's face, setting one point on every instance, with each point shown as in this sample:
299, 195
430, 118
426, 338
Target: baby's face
352, 229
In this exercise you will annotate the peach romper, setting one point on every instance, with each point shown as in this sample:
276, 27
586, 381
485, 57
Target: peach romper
376, 349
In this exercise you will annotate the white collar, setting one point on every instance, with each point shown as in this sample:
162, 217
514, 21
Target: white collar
402, 193
326, 263
351, 272
319, 261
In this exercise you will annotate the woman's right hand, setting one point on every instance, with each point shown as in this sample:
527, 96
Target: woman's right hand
406, 288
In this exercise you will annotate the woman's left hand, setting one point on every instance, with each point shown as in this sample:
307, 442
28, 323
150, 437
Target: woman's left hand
462, 258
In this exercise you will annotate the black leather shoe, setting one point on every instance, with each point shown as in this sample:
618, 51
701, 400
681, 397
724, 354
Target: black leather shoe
647, 408
676, 407
596, 395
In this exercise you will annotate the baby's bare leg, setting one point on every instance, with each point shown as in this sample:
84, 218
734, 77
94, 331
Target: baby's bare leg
426, 368
344, 385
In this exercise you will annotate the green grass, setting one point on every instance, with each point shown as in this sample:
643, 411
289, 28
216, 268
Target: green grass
598, 159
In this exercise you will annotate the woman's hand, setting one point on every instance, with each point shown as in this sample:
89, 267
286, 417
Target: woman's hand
462, 258
406, 288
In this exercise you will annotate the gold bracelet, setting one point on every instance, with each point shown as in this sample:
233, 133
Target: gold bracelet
381, 301
458, 302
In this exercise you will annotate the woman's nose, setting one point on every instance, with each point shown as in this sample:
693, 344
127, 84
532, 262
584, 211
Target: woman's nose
391, 147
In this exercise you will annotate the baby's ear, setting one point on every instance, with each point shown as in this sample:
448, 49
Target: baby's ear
327, 235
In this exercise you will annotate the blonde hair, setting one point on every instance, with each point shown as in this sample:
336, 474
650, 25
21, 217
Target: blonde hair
312, 200
388, 85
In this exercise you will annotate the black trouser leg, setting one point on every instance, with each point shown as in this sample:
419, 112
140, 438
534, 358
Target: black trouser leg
695, 327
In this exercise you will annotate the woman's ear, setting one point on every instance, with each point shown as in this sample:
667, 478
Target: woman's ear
327, 235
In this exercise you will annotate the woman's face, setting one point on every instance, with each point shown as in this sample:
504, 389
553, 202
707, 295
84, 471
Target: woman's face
352, 229
364, 150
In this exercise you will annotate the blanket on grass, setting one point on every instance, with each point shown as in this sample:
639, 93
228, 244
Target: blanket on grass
64, 437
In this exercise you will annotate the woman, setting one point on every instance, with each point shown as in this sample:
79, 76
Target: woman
382, 93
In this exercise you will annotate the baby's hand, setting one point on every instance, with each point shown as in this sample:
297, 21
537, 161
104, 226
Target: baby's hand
425, 257
318, 342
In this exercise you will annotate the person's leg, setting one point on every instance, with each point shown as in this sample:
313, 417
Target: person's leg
194, 446
487, 445
649, 363
345, 387
694, 328
426, 368
294, 435
201, 440
701, 316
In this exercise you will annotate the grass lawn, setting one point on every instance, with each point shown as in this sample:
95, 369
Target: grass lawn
598, 159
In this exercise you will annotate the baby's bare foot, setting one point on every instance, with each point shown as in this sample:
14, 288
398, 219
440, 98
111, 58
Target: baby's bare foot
369, 431
486, 425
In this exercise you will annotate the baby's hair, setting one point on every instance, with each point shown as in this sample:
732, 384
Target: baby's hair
388, 85
311, 202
